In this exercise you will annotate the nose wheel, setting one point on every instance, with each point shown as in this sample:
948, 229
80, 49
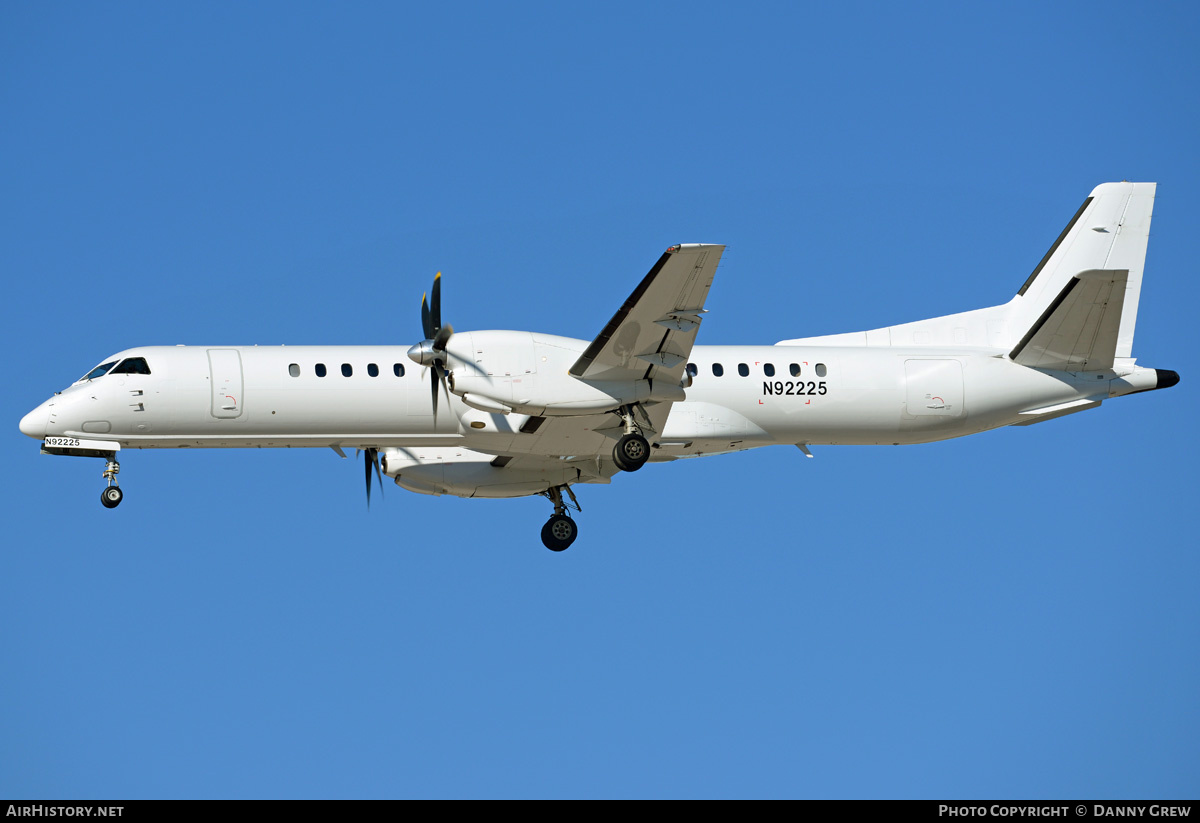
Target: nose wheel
559, 533
560, 530
111, 497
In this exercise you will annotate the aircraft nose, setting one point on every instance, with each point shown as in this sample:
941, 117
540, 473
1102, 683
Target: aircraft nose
34, 423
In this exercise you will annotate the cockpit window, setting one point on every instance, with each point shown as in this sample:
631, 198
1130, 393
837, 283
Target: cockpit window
99, 371
132, 365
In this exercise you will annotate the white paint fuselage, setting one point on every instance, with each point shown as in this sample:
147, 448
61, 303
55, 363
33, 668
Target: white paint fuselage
867, 395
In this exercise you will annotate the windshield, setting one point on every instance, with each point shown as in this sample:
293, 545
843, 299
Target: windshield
99, 371
132, 365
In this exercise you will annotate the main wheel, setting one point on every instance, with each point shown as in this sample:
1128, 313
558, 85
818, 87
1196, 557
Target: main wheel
559, 533
631, 452
111, 497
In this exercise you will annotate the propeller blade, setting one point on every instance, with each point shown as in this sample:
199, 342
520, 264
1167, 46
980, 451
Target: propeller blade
442, 338
426, 320
436, 338
434, 377
367, 466
435, 304
371, 458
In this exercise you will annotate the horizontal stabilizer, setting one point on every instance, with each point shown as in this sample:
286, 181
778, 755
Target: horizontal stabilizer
1078, 331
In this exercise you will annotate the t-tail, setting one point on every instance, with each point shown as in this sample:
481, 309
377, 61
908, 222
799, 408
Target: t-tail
1077, 310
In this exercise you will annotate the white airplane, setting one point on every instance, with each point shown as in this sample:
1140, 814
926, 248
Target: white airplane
527, 413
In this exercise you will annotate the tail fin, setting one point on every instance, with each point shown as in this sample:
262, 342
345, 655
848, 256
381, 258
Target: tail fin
1104, 249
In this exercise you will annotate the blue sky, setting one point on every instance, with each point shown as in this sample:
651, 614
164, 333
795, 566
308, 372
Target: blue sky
1007, 615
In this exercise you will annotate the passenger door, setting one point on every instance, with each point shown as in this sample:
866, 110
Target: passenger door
225, 371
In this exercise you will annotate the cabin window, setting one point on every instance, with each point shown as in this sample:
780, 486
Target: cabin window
821, 370
718, 370
743, 370
794, 369
372, 370
769, 369
320, 370
398, 369
347, 370
294, 370
132, 365
692, 371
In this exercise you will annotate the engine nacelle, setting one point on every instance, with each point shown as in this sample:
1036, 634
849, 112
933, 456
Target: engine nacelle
559, 397
504, 372
466, 473
485, 404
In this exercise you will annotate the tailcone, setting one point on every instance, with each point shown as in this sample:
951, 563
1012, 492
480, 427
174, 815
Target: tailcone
1166, 378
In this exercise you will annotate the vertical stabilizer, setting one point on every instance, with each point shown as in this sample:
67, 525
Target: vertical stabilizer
1109, 232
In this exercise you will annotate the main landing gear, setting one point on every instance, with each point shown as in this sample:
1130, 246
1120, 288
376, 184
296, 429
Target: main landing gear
630, 454
560, 530
111, 497
632, 450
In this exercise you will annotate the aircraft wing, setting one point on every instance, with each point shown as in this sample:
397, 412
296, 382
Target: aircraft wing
651, 335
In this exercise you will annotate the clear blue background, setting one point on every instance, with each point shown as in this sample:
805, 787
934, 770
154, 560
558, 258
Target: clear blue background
1011, 615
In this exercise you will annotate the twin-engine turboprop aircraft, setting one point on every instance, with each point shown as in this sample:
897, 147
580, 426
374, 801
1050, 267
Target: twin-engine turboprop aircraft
524, 413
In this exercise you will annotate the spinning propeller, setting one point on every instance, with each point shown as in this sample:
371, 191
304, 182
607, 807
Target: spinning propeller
371, 458
431, 351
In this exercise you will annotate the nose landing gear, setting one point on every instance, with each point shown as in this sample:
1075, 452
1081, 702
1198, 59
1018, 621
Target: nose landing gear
560, 530
111, 497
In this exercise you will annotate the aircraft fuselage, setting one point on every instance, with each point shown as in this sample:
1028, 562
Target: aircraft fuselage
372, 396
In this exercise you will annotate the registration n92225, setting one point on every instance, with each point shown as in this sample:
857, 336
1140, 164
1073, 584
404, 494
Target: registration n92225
62, 442
79, 447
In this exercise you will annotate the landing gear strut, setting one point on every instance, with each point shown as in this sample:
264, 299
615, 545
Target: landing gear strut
111, 497
560, 530
632, 450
